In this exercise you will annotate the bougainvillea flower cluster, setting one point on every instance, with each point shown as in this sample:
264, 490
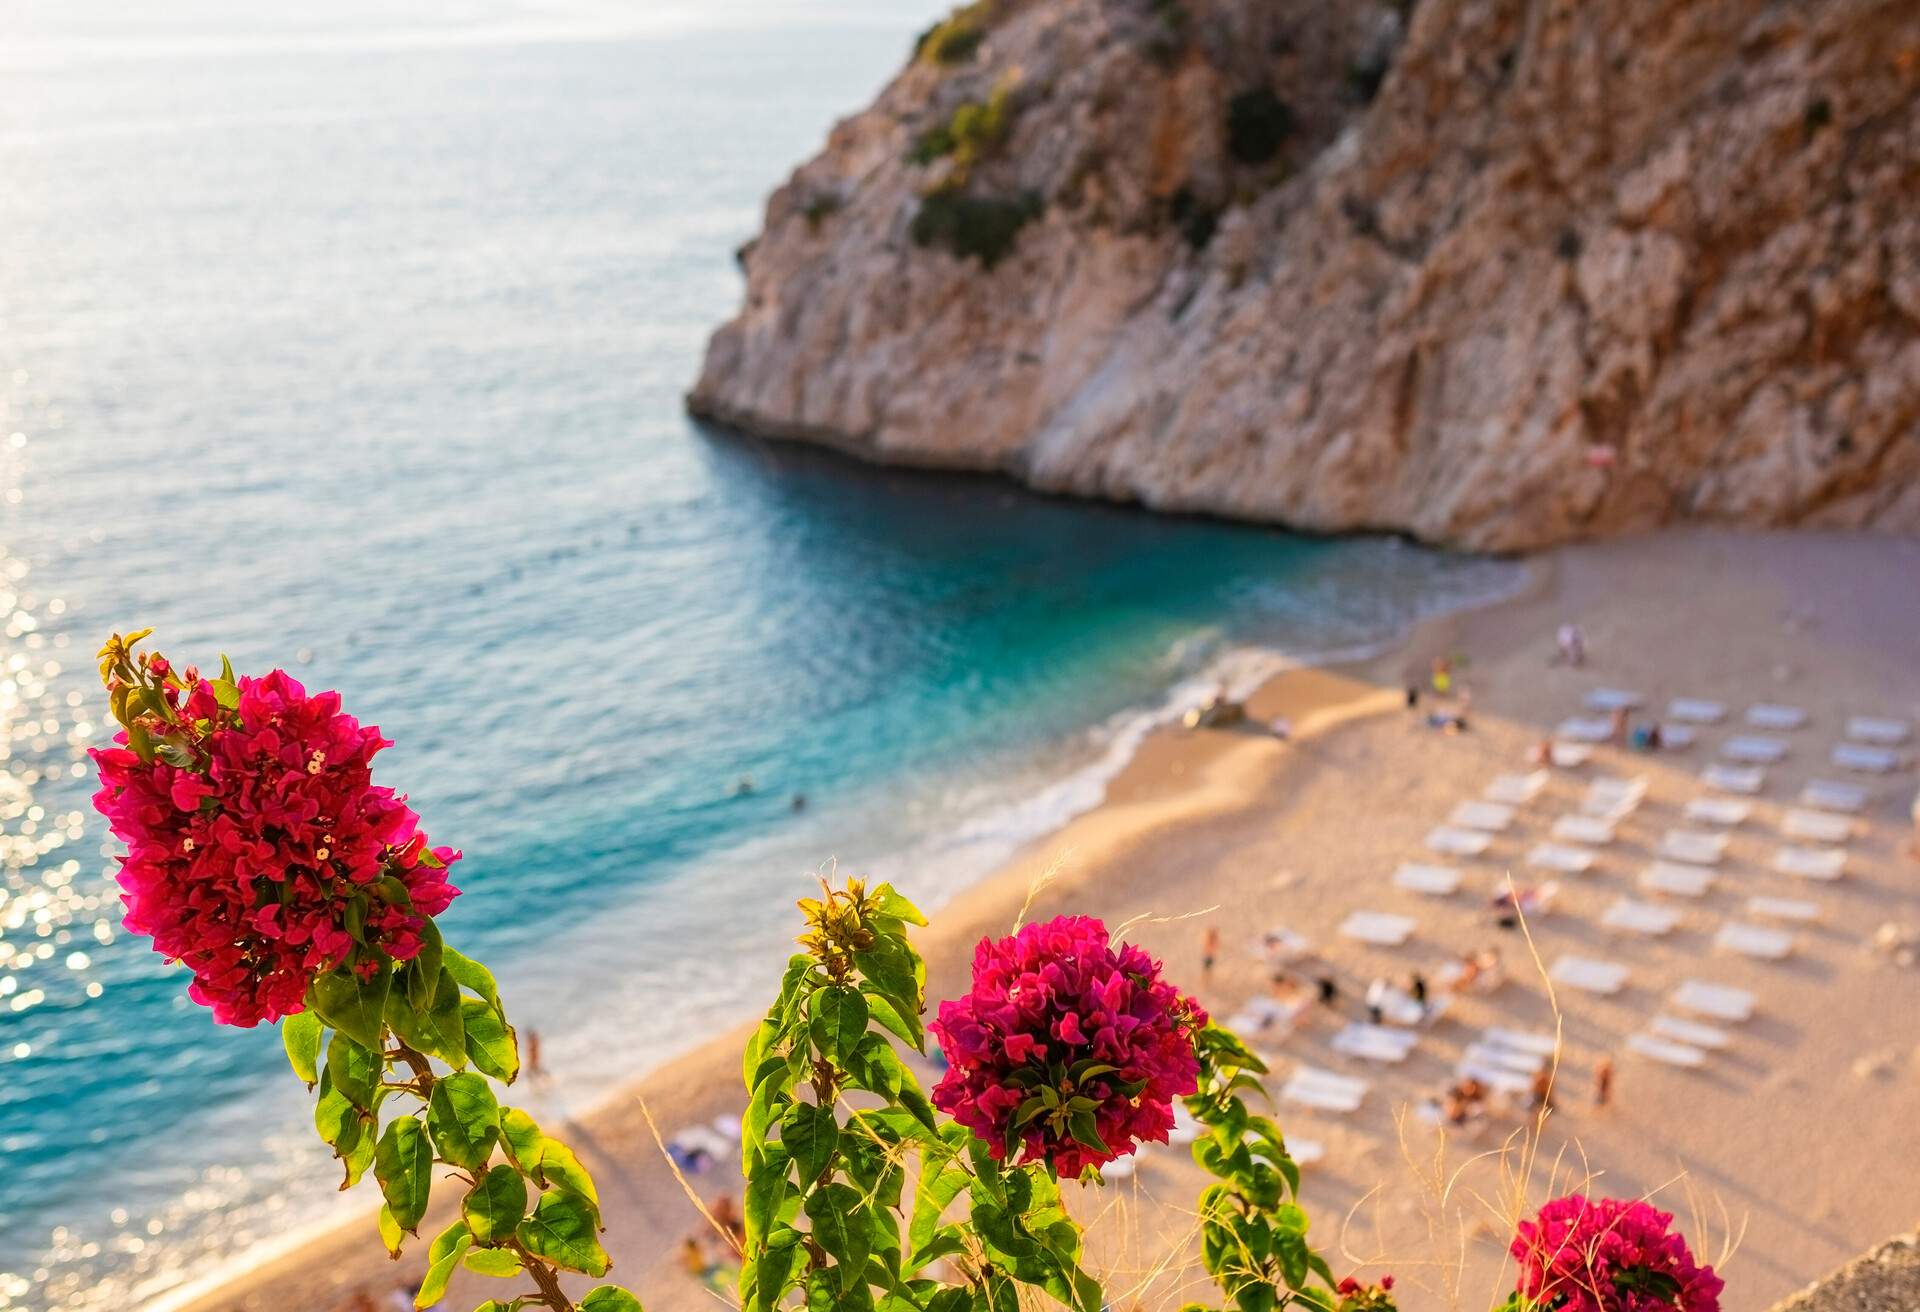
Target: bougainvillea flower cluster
1067, 1048
259, 851
1610, 1255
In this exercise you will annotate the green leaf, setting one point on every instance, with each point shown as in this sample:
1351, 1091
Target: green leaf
472, 976
842, 1226
888, 902
560, 1169
444, 1241
523, 1140
403, 1164
353, 1071
300, 1034
353, 1005
424, 977
464, 1120
767, 1192
434, 1287
837, 1017
441, 1025
494, 1206
497, 1262
1083, 1128
609, 1298
907, 1026
491, 1044
391, 1235
562, 1229
810, 1135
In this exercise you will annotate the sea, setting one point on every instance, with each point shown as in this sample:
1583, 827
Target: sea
352, 339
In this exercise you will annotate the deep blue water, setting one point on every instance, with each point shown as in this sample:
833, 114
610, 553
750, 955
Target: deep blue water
361, 353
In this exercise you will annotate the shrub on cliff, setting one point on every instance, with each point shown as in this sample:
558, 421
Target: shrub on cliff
1258, 124
972, 133
954, 39
985, 228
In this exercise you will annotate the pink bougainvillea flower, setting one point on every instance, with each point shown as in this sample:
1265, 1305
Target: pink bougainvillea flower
259, 851
1610, 1255
1068, 1050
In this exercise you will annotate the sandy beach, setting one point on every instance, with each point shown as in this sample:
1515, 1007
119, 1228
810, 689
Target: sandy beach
1789, 1151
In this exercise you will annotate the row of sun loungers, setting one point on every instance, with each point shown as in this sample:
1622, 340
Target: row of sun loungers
1684, 1042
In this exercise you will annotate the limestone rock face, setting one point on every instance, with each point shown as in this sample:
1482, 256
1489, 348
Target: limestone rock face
1495, 273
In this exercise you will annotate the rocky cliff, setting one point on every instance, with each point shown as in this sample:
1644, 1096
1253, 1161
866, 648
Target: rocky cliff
1496, 273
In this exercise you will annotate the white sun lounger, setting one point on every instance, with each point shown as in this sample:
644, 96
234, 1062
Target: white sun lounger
1507, 1059
1613, 799
1754, 941
1570, 756
1451, 840
1754, 749
1829, 796
1433, 881
1305, 1152
1733, 779
1120, 1168
1792, 909
1816, 826
1693, 846
1516, 789
1562, 857
1497, 1078
1588, 829
1590, 975
1719, 1001
1867, 760
1490, 816
1635, 917
1375, 1043
1726, 811
1768, 715
1259, 1015
1609, 700
1584, 729
1676, 737
1695, 710
1538, 1042
1185, 1128
1689, 1032
1873, 729
1677, 880
1823, 863
1324, 1090
1281, 944
1665, 1051
1379, 928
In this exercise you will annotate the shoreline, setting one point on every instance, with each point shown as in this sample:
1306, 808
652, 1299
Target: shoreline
1201, 790
1281, 692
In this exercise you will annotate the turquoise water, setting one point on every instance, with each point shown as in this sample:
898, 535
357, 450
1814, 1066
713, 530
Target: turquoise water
360, 350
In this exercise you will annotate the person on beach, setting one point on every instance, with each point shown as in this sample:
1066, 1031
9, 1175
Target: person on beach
1442, 675
1417, 986
536, 1073
1603, 1081
1376, 999
1573, 645
1209, 953
1413, 696
1542, 753
726, 1215
1622, 727
1543, 1091
1329, 990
